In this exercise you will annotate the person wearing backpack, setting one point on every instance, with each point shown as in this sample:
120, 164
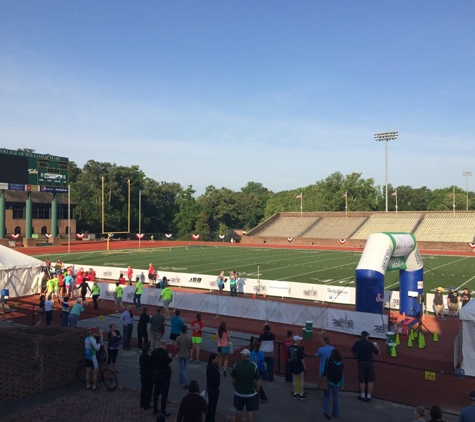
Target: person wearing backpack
334, 373
257, 357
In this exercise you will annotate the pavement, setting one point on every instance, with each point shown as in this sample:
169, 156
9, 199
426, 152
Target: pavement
74, 403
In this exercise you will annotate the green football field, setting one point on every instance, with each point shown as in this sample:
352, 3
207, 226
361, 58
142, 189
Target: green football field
305, 266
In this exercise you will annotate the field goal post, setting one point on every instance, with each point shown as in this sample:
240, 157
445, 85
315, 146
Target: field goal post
109, 233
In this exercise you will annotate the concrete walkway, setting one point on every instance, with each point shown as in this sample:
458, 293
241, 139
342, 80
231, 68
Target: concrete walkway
74, 403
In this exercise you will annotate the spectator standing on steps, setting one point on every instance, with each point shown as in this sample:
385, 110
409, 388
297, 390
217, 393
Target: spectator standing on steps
334, 372
146, 377
364, 350
192, 406
213, 382
267, 347
183, 346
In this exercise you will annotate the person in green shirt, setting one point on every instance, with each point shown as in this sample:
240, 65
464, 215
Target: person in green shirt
95, 291
167, 297
119, 291
138, 293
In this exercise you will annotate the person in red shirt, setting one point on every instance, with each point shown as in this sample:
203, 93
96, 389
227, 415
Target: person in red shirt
196, 337
91, 275
121, 279
151, 272
287, 343
130, 274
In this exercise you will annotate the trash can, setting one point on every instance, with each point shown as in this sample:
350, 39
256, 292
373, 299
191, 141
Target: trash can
390, 337
307, 334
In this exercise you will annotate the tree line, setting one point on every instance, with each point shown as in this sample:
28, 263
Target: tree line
168, 207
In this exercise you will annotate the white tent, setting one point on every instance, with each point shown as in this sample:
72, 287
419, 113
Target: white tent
467, 316
19, 273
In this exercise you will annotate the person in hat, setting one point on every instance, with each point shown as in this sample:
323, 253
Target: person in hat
297, 367
364, 350
439, 303
146, 377
453, 302
246, 381
467, 414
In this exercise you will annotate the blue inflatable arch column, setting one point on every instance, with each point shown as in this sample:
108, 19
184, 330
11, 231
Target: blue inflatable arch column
389, 252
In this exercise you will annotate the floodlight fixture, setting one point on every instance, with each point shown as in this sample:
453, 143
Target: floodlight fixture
386, 136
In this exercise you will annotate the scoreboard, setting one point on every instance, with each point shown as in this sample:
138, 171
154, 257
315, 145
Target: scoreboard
24, 170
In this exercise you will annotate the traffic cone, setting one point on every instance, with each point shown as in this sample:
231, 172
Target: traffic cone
421, 341
409, 341
398, 342
393, 351
436, 337
414, 334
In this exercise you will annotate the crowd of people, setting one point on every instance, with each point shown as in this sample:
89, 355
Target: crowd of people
454, 302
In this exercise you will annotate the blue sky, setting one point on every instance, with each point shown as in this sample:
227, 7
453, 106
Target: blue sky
224, 92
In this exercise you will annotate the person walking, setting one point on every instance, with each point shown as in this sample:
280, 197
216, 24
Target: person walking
213, 381
118, 292
246, 382
323, 353
157, 327
196, 337
267, 347
364, 350
142, 332
138, 293
162, 363
298, 367
127, 319
146, 377
74, 313
192, 406
95, 291
83, 288
113, 344
183, 346
334, 373
223, 336
167, 296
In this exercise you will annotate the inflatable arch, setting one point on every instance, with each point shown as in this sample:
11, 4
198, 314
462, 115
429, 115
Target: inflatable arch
389, 252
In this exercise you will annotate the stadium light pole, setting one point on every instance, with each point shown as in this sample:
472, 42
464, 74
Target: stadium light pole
467, 174
386, 136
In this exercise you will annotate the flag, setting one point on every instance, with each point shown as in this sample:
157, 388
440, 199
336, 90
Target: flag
344, 195
299, 196
394, 193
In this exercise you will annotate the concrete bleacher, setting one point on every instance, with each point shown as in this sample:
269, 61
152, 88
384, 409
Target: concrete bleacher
288, 227
447, 227
335, 227
388, 222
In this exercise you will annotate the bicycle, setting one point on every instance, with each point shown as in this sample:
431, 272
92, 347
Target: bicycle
105, 376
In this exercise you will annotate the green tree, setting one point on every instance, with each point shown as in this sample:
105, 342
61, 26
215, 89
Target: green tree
185, 219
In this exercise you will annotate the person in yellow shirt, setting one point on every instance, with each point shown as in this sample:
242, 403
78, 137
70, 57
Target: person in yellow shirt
138, 293
119, 291
167, 297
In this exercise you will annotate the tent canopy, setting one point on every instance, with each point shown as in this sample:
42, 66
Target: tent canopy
467, 316
19, 273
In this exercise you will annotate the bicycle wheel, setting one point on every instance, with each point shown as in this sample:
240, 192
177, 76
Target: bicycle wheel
109, 379
81, 373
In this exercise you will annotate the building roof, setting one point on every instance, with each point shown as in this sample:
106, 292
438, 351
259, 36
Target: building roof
17, 196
